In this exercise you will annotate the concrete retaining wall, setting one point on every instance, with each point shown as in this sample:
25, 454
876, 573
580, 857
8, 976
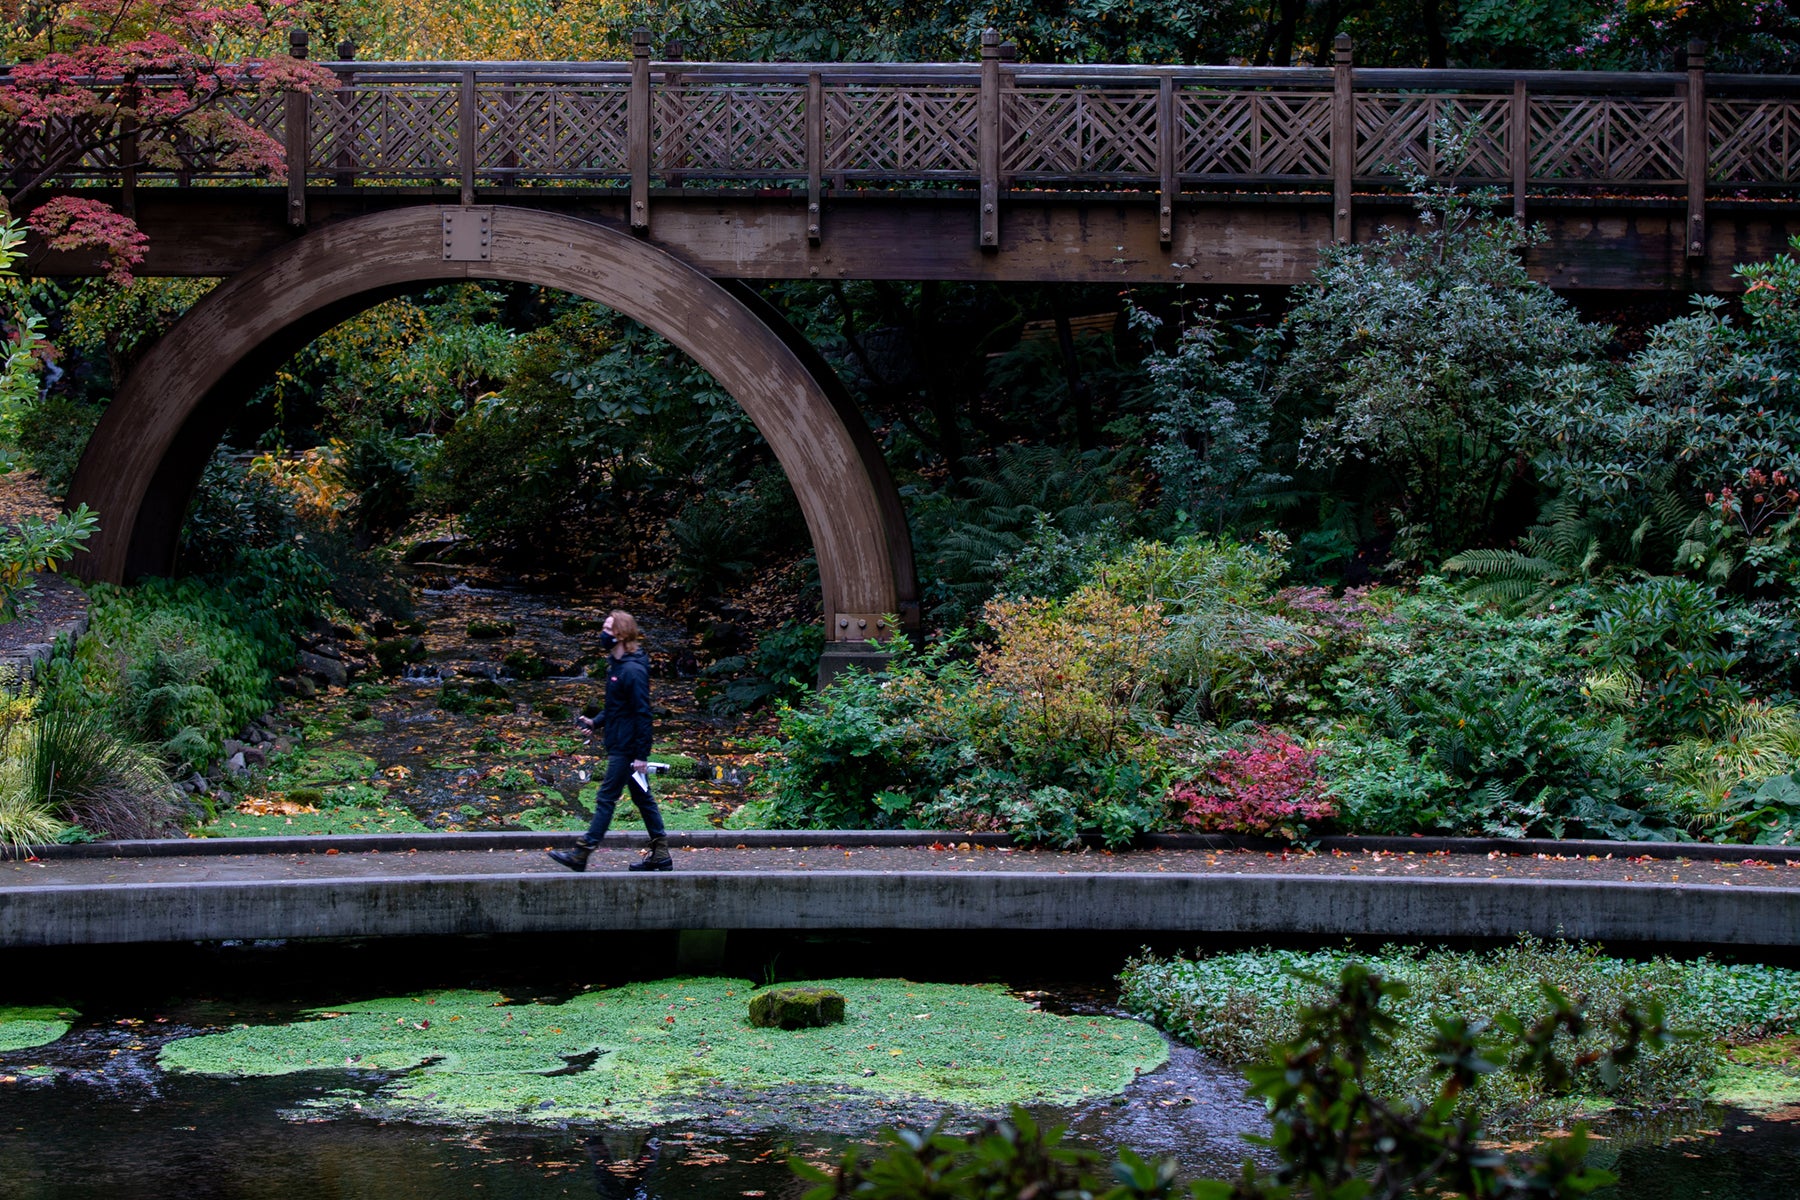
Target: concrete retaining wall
1243, 904
390, 843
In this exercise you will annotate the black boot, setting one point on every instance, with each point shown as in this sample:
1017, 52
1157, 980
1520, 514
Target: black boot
576, 856
657, 860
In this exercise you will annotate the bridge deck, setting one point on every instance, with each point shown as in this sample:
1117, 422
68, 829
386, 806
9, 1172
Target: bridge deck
209, 895
988, 170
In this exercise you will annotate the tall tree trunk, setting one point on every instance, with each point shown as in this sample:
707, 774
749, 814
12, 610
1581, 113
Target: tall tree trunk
1080, 398
1437, 49
939, 399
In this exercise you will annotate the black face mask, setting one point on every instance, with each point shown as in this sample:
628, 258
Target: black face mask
607, 640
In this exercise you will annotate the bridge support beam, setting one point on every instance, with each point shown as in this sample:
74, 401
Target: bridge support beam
144, 460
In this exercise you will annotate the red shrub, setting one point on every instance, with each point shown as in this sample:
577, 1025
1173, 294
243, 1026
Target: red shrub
1271, 786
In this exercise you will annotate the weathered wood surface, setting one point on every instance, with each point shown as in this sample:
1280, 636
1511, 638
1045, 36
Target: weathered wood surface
860, 153
1236, 241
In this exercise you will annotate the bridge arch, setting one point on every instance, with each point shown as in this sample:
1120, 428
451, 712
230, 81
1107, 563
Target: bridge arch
145, 458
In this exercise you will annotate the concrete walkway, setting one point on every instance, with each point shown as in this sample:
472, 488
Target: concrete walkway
297, 888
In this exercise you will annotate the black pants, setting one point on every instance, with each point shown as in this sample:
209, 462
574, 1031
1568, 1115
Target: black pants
616, 780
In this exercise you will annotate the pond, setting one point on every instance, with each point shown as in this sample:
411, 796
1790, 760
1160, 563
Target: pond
96, 1114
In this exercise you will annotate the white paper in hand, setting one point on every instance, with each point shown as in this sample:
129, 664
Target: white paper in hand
643, 782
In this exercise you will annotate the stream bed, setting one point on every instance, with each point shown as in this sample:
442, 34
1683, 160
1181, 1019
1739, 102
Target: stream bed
477, 730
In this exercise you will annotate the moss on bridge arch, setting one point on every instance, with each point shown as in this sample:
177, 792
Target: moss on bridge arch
684, 1048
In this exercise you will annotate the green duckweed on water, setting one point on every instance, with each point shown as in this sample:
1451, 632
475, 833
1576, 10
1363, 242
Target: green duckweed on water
1761, 1075
679, 1048
24, 1028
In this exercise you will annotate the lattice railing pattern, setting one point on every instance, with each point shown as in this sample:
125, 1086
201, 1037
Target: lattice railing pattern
1606, 138
1754, 141
386, 131
552, 131
888, 132
204, 158
1243, 135
744, 130
27, 151
1095, 127
1068, 132
1394, 128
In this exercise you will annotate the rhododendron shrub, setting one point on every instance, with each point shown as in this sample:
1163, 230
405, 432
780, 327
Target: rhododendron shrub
95, 80
1270, 786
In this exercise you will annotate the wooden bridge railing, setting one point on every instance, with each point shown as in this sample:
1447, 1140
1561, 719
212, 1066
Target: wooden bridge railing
998, 126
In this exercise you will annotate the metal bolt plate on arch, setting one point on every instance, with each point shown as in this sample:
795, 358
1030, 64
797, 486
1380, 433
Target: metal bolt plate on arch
468, 233
859, 627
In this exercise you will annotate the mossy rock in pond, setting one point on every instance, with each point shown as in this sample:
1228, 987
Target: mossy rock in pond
553, 712
395, 652
25, 1028
477, 695
486, 630
797, 1008
664, 1050
525, 665
681, 766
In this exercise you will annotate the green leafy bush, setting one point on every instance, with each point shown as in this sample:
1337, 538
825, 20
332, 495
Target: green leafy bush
1215, 398
1415, 351
381, 470
1665, 638
52, 433
36, 545
1236, 1006
1227, 639
182, 663
857, 752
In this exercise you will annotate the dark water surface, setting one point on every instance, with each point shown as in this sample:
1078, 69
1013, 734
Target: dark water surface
93, 1116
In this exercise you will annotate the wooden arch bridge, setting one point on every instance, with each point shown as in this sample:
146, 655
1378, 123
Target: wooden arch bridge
657, 187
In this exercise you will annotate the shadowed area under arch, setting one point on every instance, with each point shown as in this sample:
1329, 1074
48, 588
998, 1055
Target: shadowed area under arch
145, 458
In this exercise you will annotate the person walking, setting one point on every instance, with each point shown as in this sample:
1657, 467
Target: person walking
626, 728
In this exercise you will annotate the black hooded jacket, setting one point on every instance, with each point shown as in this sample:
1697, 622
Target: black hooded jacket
625, 724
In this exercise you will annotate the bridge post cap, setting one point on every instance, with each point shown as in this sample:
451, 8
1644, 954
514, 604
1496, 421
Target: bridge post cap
297, 41
1697, 54
346, 50
990, 40
1009, 52
1341, 46
640, 40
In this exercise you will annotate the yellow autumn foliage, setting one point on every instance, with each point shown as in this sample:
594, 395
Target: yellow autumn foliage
1069, 675
481, 30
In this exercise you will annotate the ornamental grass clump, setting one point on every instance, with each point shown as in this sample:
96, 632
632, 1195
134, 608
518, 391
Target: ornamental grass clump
63, 768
